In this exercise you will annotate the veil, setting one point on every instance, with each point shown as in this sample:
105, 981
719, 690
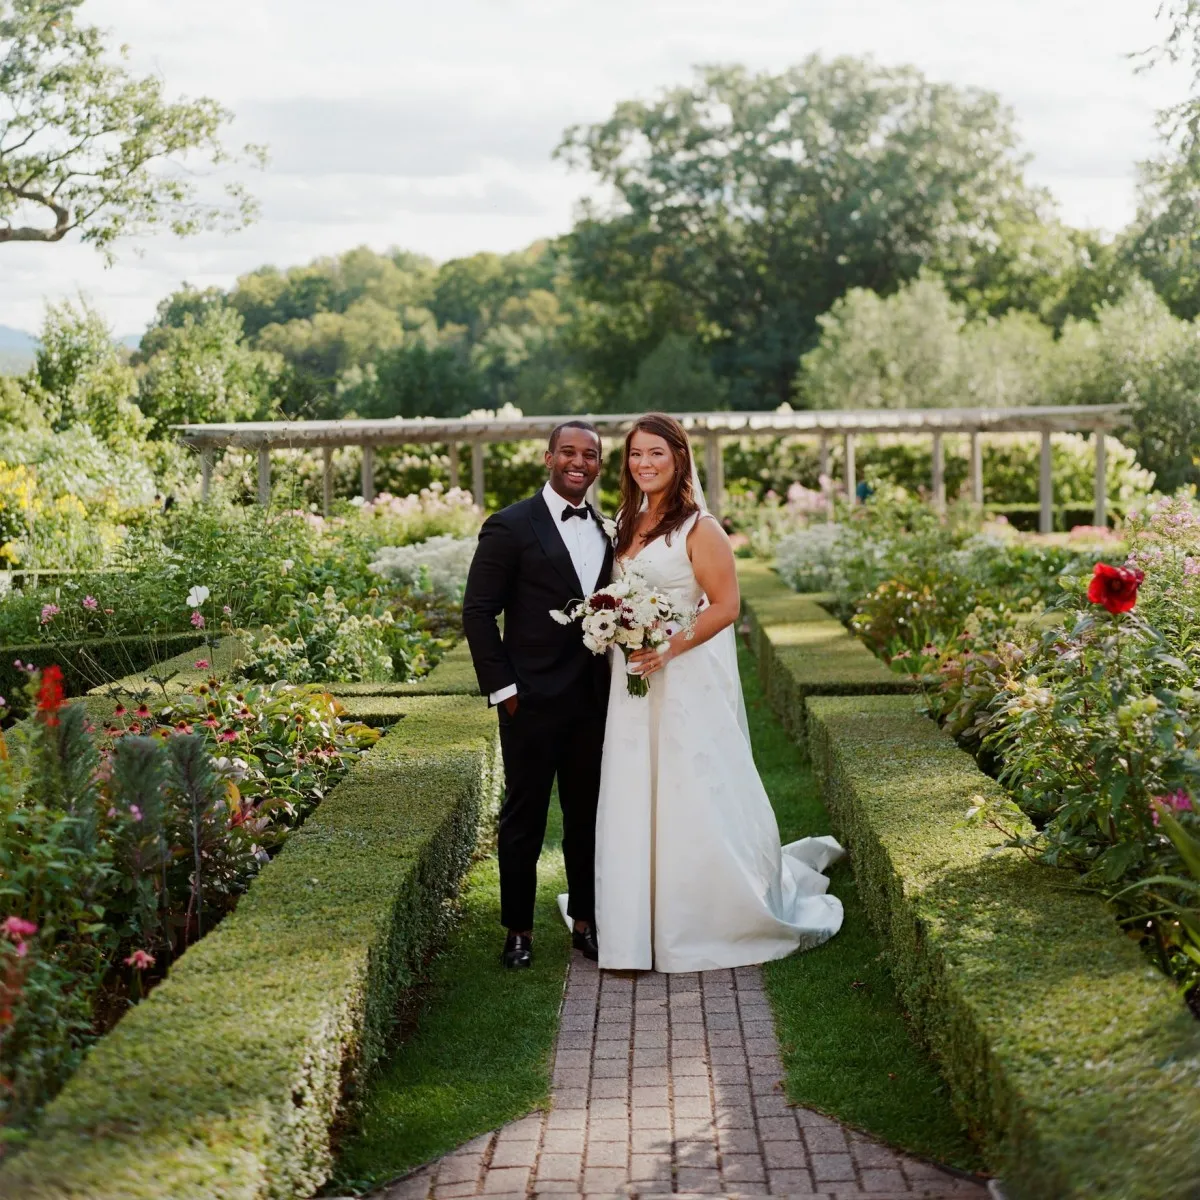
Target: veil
725, 642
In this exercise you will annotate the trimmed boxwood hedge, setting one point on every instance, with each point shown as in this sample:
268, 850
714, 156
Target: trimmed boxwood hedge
86, 661
182, 669
802, 650
227, 1081
1069, 1056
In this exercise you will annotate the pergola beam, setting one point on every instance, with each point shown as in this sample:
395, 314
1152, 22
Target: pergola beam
263, 436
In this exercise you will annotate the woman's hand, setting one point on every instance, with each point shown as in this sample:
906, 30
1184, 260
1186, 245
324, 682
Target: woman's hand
648, 661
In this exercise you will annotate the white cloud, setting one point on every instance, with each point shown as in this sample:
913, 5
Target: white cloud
431, 125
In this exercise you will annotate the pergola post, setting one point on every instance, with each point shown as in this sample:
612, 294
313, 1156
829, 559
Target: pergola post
939, 472
1045, 487
264, 475
851, 471
368, 473
206, 470
1101, 515
326, 480
976, 468
452, 450
825, 482
477, 473
714, 469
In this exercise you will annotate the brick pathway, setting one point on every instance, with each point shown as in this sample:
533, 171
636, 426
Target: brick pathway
671, 1084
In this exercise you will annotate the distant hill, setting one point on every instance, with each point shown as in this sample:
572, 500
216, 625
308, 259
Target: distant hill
16, 341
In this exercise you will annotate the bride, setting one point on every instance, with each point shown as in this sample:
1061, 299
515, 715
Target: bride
690, 875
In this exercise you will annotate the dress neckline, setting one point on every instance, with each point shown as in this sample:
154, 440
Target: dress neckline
627, 560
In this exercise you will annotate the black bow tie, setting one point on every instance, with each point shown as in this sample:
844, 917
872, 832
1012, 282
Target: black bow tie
569, 512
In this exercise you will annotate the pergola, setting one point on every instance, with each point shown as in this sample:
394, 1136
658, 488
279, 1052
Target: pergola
708, 428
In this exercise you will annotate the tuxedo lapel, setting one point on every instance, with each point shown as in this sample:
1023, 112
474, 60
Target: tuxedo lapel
552, 543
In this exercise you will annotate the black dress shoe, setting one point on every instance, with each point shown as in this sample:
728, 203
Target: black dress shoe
586, 943
518, 952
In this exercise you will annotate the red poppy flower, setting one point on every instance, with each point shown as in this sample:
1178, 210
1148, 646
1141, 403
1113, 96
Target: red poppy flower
1115, 588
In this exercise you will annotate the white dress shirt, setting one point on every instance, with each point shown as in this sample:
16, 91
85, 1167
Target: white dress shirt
586, 544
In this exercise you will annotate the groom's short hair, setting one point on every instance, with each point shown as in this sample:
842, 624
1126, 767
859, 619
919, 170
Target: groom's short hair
579, 424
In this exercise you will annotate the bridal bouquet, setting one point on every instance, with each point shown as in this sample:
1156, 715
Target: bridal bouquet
628, 614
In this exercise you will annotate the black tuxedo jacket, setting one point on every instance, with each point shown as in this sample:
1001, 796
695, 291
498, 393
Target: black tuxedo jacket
522, 568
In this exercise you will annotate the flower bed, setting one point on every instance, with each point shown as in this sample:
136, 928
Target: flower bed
1070, 1057
228, 1079
802, 650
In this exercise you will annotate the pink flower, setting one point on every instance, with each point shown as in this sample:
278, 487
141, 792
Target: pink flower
198, 620
1178, 800
18, 927
90, 603
135, 812
108, 612
227, 610
1191, 566
201, 664
139, 960
227, 735
49, 612
112, 812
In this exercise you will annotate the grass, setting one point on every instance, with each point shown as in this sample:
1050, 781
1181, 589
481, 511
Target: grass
480, 1054
846, 1047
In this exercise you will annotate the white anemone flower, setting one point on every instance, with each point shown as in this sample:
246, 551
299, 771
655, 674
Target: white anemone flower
197, 596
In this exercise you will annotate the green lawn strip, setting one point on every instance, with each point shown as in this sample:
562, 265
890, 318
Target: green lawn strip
846, 1048
480, 1054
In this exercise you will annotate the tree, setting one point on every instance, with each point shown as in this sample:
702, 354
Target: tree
202, 371
85, 146
417, 381
674, 376
757, 200
1137, 352
918, 349
81, 378
903, 351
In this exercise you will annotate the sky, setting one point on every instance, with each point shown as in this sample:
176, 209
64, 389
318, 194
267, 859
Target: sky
430, 124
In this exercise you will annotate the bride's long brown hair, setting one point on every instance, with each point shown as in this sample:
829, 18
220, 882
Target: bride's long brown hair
681, 500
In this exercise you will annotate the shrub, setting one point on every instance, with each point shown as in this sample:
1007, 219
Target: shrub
436, 567
1053, 1034
321, 641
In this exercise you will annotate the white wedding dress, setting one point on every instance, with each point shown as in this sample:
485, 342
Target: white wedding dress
690, 875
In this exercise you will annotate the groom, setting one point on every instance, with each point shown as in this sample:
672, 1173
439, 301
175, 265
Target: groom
550, 693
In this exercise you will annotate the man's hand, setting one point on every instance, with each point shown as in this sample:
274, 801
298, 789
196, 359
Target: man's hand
510, 705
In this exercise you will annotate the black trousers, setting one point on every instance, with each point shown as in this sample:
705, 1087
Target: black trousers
562, 738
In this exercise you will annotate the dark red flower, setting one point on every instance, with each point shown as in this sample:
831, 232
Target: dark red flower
1115, 588
602, 600
50, 693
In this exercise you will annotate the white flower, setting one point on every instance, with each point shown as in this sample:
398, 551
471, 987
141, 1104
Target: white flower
560, 616
286, 566
610, 528
197, 596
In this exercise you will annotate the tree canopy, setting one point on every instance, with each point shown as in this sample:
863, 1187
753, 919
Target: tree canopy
746, 204
86, 146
